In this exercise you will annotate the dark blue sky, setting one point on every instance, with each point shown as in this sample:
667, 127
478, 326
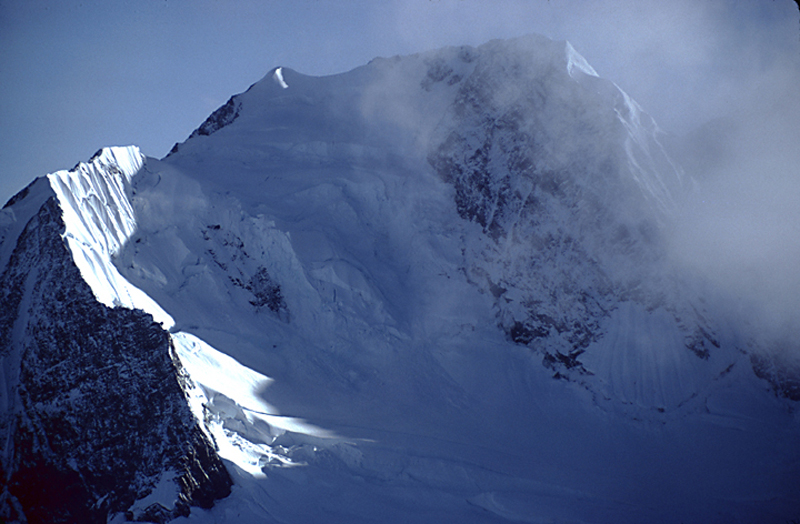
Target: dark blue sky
79, 75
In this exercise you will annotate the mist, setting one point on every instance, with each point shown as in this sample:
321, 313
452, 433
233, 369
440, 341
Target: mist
740, 228
721, 80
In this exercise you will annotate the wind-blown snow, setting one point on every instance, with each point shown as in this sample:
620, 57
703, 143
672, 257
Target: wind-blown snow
576, 62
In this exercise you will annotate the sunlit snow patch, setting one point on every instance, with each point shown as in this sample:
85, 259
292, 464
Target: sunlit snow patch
278, 76
245, 428
576, 61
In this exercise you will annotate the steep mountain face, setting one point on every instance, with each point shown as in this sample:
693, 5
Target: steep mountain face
356, 291
95, 419
566, 177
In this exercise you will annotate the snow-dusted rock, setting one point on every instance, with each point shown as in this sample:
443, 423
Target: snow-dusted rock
95, 420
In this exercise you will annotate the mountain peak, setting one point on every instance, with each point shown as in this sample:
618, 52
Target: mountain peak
401, 105
435, 287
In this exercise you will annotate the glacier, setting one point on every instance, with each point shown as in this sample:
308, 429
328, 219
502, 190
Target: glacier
431, 289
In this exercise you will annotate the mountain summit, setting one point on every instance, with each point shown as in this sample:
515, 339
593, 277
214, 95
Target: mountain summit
436, 288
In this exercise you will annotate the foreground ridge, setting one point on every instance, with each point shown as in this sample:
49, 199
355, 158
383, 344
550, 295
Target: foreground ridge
96, 419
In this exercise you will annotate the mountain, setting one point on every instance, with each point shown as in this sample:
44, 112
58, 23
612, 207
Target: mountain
95, 419
436, 288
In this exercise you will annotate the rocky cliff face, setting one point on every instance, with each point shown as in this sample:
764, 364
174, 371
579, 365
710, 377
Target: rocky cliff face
566, 178
95, 421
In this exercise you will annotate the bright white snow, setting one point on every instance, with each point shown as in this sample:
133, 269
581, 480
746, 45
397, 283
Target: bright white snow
279, 78
226, 396
95, 201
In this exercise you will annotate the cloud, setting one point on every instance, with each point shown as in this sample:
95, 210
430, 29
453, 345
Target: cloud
683, 61
721, 78
741, 230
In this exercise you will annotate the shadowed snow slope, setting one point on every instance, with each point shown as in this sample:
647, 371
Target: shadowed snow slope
434, 289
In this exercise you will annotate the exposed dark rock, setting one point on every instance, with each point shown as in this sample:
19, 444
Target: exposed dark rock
22, 194
557, 360
438, 70
784, 377
220, 118
99, 415
237, 264
265, 291
566, 212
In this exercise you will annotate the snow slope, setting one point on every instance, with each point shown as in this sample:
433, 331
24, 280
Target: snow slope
433, 289
389, 336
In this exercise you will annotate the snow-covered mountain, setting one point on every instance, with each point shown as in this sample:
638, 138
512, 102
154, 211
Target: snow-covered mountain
435, 288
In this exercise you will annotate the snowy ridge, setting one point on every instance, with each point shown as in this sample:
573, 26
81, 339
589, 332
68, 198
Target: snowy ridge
101, 218
648, 161
95, 201
576, 62
105, 378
